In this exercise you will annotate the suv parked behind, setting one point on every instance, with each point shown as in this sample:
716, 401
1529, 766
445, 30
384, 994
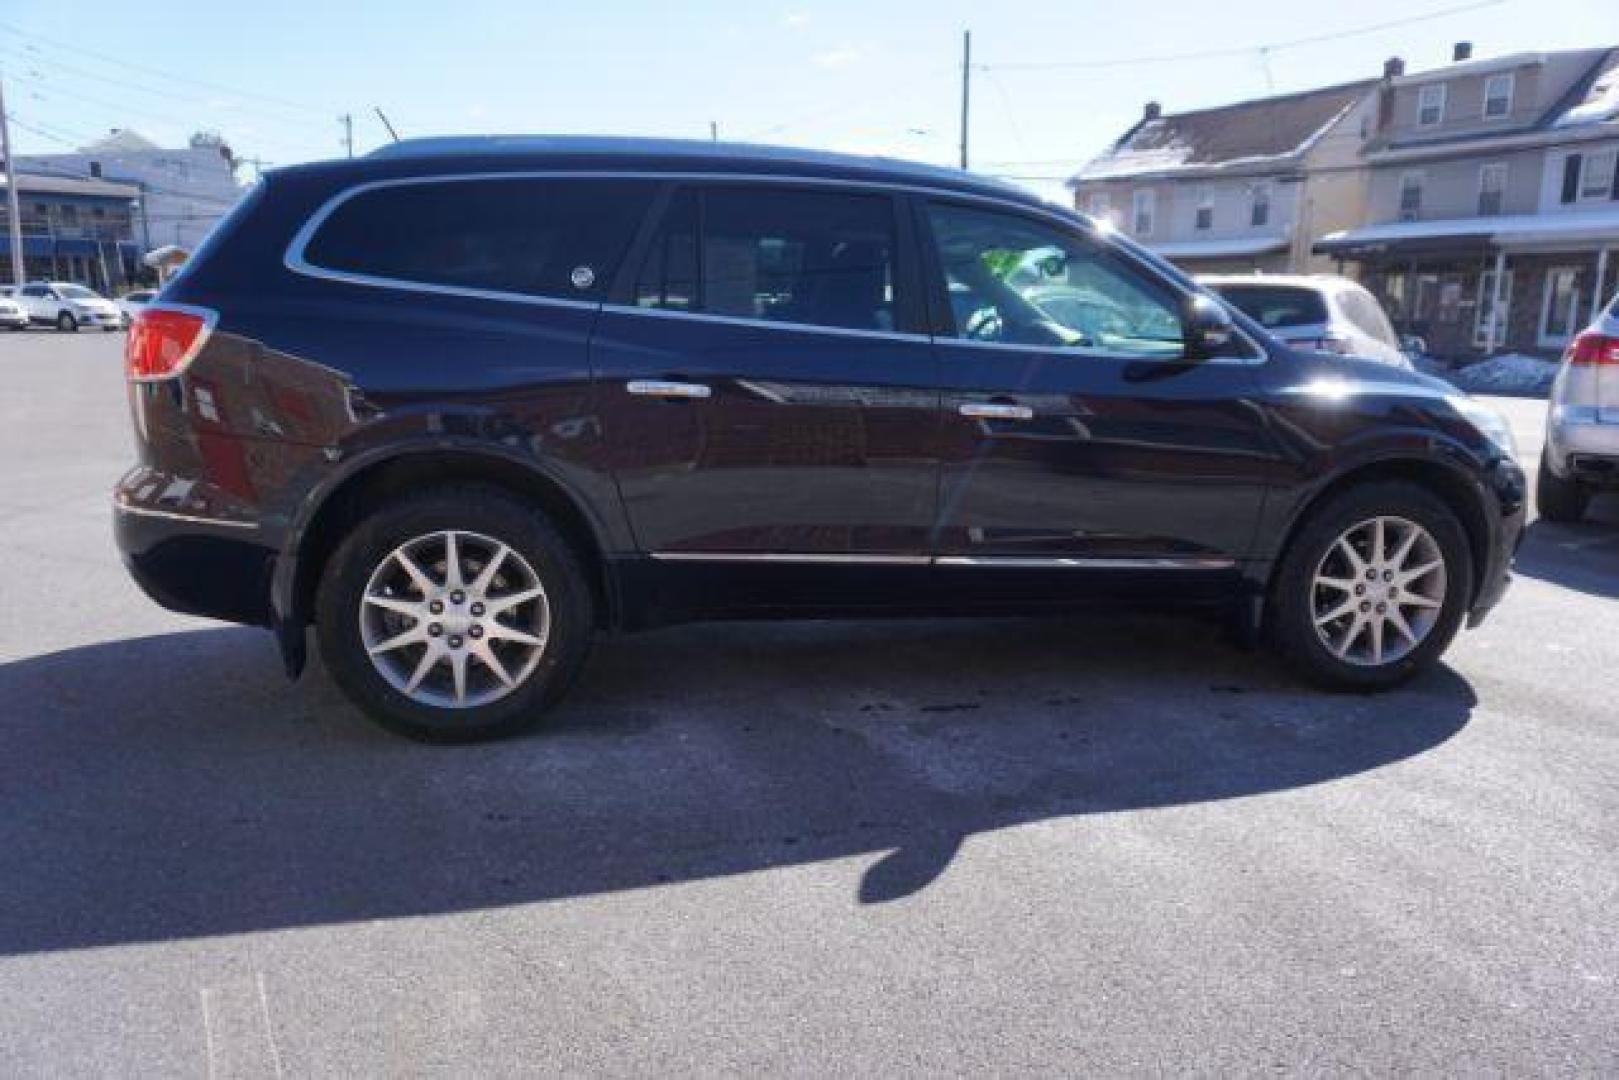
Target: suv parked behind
68, 306
1581, 456
1315, 311
465, 403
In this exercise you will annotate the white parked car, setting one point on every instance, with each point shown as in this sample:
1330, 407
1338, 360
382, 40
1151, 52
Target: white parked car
67, 306
1581, 456
131, 303
1315, 311
12, 315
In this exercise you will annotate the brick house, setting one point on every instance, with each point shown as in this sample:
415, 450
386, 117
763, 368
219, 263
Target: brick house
1493, 203
1241, 187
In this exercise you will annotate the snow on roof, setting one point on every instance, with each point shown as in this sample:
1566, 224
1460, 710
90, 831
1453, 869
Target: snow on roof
119, 140
1505, 231
1246, 134
1601, 101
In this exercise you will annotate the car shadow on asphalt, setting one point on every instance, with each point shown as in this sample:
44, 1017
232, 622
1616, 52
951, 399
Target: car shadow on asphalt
1584, 557
177, 786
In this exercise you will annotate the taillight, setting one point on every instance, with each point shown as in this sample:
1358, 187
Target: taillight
163, 339
1593, 348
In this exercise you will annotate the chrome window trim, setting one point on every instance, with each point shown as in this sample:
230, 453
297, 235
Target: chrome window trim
1024, 562
768, 324
295, 258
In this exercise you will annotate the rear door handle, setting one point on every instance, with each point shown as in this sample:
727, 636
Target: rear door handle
663, 388
991, 410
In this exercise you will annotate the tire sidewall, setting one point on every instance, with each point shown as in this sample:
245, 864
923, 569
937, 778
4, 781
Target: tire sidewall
66, 322
493, 514
1293, 616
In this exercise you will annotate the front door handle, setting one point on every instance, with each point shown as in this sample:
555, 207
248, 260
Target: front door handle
993, 410
664, 388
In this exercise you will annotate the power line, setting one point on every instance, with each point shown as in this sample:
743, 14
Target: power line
158, 72
1241, 50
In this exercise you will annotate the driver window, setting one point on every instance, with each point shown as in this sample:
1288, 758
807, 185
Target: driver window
1015, 281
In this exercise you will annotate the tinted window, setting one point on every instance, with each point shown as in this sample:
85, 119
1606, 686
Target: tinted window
536, 236
1277, 306
1017, 281
668, 274
35, 290
1360, 309
803, 257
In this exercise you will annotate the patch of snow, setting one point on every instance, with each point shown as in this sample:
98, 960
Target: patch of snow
1602, 103
1601, 223
1508, 373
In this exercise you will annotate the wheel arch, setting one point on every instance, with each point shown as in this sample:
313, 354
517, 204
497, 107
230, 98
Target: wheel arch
374, 483
1462, 494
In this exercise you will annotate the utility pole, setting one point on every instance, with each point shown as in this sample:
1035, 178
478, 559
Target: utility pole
713, 131
966, 87
17, 272
347, 120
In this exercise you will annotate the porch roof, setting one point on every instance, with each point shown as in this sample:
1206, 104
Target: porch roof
1586, 230
1231, 246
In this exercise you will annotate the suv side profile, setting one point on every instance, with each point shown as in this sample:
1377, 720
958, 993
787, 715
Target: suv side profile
464, 404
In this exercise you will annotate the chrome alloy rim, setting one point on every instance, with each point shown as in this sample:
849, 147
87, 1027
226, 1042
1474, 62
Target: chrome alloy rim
1378, 591
454, 619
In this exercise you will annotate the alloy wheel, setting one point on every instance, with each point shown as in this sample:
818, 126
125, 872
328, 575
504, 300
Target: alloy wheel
454, 619
1378, 591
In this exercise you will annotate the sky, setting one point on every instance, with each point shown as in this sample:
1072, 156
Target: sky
863, 76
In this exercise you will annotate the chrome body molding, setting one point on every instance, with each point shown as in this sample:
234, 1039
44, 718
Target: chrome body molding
172, 515
1033, 562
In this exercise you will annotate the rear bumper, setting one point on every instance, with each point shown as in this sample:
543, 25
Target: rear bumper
1584, 450
196, 566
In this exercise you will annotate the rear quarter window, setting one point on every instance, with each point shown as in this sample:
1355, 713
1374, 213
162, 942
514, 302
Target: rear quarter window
1277, 307
527, 236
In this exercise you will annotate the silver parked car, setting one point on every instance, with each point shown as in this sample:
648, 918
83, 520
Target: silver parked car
1581, 456
1315, 311
12, 315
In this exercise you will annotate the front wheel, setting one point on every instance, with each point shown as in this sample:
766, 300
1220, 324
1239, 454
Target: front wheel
66, 323
454, 616
1557, 499
1373, 588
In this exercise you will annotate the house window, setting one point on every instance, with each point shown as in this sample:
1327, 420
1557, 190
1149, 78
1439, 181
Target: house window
1259, 209
1142, 204
1431, 104
1205, 210
1099, 205
1497, 96
1596, 175
1410, 196
1492, 186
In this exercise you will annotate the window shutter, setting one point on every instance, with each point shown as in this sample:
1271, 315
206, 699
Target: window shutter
1571, 177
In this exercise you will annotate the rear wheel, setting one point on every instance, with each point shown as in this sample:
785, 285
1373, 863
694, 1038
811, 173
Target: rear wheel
1373, 588
1557, 499
66, 323
455, 616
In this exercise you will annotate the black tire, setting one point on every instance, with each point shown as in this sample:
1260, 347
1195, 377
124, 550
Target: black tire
1557, 499
493, 513
1290, 621
66, 323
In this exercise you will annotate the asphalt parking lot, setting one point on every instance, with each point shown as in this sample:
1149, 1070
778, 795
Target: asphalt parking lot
1107, 845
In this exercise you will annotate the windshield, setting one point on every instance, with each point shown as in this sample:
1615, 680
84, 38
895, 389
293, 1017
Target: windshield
76, 292
1277, 307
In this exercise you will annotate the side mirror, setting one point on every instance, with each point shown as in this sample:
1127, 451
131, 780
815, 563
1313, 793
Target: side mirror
1206, 327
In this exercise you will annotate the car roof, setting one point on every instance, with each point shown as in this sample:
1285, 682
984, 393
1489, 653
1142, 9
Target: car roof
497, 153
1314, 282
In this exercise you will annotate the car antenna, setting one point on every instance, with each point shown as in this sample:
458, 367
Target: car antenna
384, 118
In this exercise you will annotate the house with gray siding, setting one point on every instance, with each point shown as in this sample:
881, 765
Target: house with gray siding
1241, 187
1492, 209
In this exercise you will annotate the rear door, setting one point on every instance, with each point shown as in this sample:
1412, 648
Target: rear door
1075, 435
766, 383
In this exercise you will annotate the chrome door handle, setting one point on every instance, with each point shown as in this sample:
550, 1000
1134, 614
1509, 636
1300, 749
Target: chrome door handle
665, 389
990, 410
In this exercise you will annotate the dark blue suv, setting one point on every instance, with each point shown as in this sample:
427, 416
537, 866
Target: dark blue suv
466, 403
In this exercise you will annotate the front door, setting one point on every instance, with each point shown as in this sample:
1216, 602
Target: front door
1559, 307
1075, 436
767, 384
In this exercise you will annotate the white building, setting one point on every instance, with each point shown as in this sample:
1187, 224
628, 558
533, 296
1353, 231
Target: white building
183, 192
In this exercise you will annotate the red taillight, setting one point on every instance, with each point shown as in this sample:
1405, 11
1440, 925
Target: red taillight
1593, 348
163, 340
